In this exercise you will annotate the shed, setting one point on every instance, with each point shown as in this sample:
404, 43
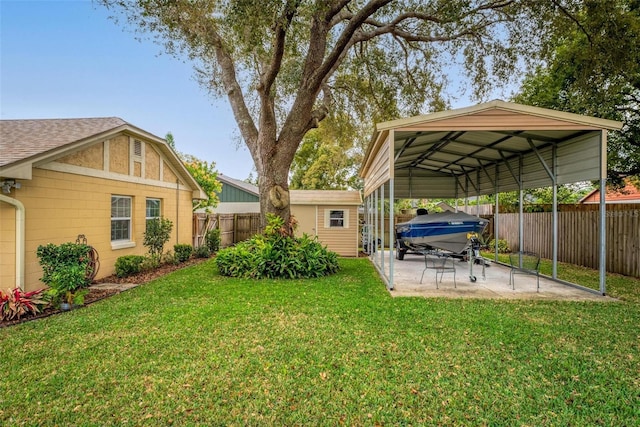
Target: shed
102, 178
332, 215
488, 148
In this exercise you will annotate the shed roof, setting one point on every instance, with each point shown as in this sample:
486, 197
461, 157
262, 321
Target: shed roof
325, 197
27, 143
495, 146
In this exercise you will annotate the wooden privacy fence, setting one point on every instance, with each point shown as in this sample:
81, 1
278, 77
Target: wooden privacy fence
233, 228
578, 231
578, 234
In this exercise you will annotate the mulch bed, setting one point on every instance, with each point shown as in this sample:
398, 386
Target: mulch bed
99, 294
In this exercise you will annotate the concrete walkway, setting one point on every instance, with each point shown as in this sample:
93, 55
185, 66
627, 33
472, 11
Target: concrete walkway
495, 285
118, 286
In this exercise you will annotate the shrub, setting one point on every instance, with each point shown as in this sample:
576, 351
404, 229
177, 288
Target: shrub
66, 285
183, 252
212, 240
55, 258
202, 251
170, 258
129, 264
277, 255
15, 303
503, 246
156, 235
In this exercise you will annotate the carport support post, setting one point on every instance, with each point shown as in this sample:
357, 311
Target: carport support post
392, 241
603, 240
603, 212
382, 227
520, 213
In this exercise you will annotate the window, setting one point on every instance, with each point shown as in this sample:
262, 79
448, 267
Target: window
120, 218
336, 219
153, 209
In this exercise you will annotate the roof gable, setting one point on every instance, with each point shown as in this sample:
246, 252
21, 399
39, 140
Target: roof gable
513, 114
24, 139
27, 143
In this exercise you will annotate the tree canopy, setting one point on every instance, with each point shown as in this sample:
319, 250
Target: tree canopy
285, 65
203, 172
595, 70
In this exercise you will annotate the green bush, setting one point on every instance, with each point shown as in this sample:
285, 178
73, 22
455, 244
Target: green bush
212, 240
503, 246
170, 258
56, 258
183, 252
277, 255
156, 235
202, 252
129, 264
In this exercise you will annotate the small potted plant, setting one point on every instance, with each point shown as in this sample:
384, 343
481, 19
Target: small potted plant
66, 287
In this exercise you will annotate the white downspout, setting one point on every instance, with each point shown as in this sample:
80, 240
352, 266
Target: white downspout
20, 220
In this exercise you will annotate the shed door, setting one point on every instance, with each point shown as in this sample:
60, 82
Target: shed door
307, 221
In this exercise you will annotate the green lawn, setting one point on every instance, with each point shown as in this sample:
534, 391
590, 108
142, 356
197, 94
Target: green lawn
194, 348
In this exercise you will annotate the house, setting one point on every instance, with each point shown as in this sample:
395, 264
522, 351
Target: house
332, 215
237, 196
95, 178
627, 194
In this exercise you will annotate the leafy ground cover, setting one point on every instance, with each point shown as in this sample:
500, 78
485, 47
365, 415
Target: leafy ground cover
194, 348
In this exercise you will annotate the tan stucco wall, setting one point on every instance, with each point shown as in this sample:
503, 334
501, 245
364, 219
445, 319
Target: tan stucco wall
92, 157
152, 163
343, 241
119, 155
60, 205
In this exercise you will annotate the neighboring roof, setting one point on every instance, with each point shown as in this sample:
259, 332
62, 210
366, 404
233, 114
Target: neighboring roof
25, 143
302, 197
627, 194
496, 146
325, 197
242, 185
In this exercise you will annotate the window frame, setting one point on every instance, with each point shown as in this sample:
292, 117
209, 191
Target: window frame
146, 208
343, 220
127, 241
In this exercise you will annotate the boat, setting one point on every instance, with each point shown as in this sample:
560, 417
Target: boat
447, 231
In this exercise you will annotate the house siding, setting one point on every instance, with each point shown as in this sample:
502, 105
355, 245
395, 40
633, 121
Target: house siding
72, 196
233, 194
7, 246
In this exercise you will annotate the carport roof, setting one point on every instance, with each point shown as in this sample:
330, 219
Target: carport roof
495, 146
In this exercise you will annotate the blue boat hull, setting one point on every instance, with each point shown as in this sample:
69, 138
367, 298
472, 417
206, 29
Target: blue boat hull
446, 231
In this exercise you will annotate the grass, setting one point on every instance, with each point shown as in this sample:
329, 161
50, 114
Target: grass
194, 348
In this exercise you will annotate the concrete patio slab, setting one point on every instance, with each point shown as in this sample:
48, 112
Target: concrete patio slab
495, 284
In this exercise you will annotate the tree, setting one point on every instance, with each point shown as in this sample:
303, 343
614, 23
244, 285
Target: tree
284, 65
203, 172
594, 70
328, 158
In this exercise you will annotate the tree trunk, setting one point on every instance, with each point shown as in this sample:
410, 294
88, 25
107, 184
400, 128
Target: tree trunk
273, 166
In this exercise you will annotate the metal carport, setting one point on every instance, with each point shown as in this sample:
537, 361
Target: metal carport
488, 148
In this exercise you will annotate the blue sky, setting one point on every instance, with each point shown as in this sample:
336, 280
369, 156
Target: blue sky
66, 59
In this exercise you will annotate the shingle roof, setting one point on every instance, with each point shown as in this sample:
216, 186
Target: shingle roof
22, 139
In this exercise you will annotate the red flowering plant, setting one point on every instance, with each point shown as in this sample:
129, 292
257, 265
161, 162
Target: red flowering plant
15, 303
